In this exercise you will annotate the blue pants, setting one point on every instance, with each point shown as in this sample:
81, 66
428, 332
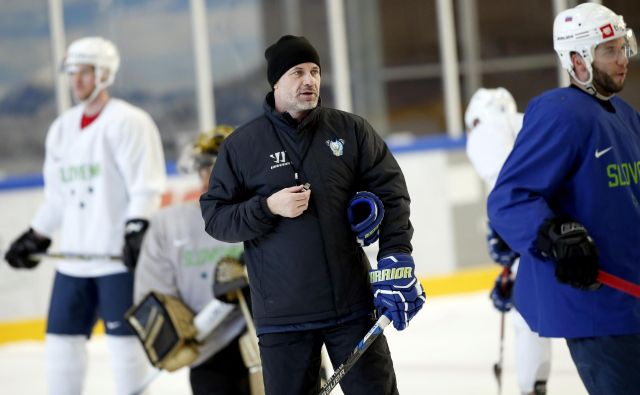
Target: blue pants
291, 360
77, 302
608, 365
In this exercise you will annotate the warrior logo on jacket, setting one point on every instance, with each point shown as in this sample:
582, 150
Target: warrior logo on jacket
337, 146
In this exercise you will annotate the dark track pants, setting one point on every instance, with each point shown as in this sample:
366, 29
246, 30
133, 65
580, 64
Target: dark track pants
222, 374
291, 360
608, 365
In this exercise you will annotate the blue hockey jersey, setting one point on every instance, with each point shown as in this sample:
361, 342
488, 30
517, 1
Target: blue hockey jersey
573, 157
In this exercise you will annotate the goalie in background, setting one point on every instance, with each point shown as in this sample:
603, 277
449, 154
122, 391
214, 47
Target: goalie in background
178, 261
493, 123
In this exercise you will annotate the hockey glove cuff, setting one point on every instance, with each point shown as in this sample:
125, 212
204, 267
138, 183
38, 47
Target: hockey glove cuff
134, 231
21, 251
568, 244
499, 251
365, 214
397, 293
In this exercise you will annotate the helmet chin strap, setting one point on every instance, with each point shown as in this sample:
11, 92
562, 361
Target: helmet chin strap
587, 85
100, 86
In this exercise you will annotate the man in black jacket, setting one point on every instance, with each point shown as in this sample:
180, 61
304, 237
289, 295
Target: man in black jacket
308, 275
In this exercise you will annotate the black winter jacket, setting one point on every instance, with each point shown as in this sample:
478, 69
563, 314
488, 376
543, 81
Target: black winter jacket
307, 268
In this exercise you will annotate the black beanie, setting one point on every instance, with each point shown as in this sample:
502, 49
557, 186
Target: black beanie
289, 51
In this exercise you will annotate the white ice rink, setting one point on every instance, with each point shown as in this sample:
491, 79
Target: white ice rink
449, 349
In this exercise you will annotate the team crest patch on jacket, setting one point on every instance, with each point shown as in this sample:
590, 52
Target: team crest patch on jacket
337, 146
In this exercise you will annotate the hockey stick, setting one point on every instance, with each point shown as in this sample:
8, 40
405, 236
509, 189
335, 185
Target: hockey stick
71, 255
78, 256
363, 345
497, 367
618, 283
68, 255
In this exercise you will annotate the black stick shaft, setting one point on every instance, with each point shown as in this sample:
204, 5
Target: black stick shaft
363, 345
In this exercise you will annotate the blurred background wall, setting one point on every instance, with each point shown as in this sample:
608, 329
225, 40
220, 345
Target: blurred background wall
393, 47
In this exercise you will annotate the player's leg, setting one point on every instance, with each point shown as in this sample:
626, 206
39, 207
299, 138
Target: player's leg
291, 362
607, 364
373, 374
128, 361
72, 314
533, 357
223, 374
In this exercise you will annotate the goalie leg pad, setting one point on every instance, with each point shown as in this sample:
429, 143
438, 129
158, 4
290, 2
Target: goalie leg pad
165, 327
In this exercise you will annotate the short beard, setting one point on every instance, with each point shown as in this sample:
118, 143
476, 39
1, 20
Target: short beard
604, 83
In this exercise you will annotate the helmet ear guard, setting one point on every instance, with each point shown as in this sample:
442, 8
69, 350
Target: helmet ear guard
581, 29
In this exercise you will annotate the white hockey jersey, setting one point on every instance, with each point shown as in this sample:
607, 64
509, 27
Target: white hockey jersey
489, 144
96, 179
178, 258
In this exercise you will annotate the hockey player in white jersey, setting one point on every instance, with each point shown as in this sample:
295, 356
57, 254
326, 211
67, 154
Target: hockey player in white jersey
178, 259
493, 124
104, 176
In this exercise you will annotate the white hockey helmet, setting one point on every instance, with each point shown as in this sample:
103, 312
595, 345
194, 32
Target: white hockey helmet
102, 54
488, 102
582, 28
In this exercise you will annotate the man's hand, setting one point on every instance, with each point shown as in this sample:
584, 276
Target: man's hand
289, 202
21, 250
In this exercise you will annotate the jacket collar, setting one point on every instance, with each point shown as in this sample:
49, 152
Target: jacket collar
282, 120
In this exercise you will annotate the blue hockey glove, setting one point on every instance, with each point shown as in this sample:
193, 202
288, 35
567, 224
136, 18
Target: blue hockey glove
397, 293
365, 214
502, 292
499, 251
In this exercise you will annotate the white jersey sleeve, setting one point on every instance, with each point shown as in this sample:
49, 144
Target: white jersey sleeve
138, 154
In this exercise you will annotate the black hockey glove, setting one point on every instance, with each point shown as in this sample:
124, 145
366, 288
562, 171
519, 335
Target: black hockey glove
568, 244
134, 232
19, 254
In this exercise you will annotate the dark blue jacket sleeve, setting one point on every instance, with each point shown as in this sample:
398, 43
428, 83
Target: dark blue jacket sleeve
543, 158
380, 174
230, 212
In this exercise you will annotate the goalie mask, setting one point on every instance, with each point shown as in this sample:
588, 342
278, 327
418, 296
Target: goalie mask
582, 28
98, 52
203, 152
487, 102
